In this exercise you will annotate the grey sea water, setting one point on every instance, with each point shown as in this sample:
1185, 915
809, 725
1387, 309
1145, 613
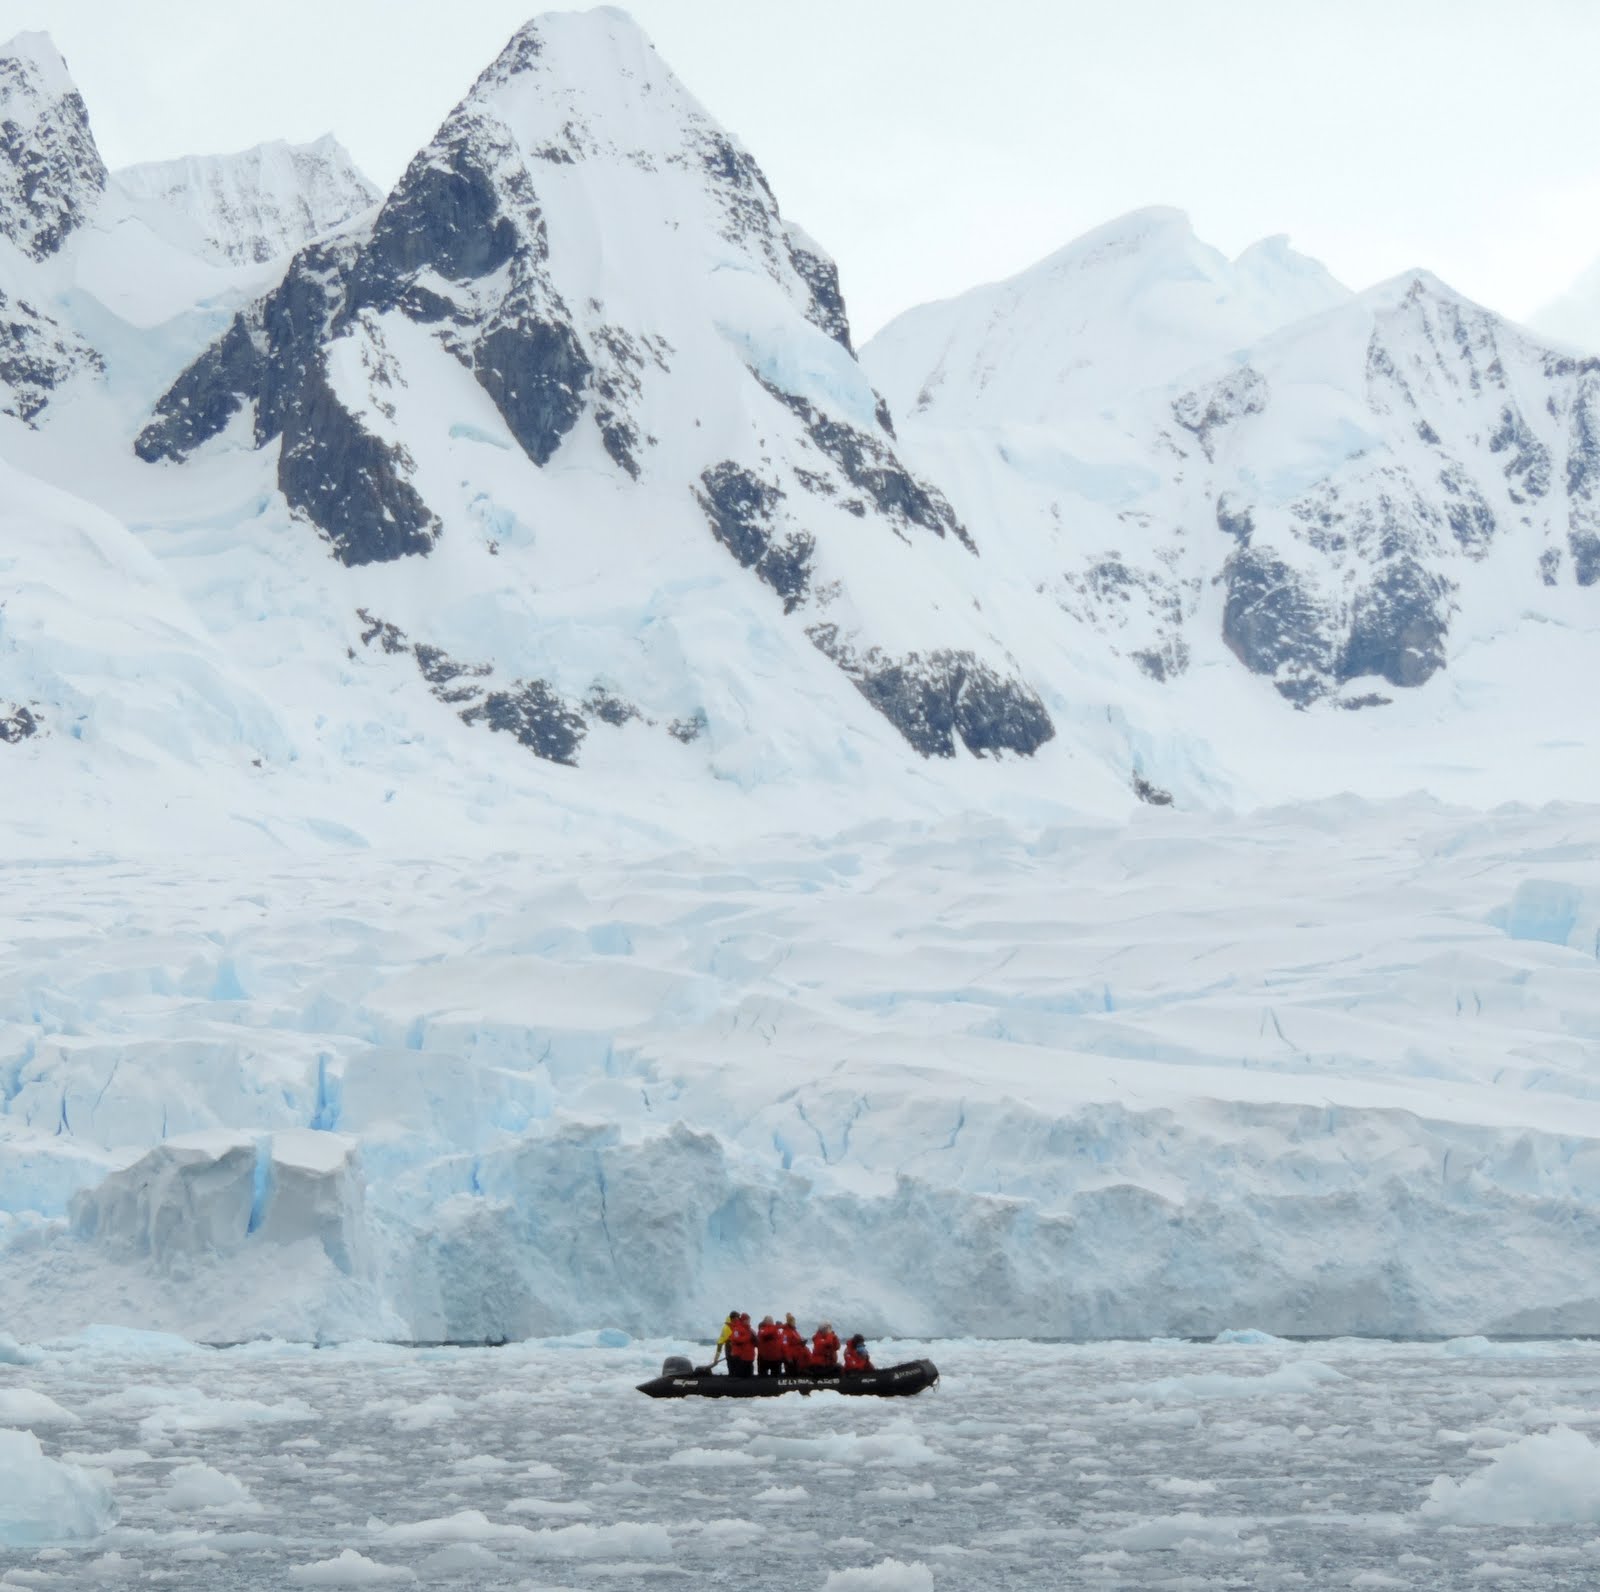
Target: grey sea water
1258, 1464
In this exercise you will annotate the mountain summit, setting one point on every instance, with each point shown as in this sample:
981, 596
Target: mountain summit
1131, 305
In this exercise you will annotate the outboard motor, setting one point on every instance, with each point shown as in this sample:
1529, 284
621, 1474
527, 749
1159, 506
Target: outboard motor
677, 1365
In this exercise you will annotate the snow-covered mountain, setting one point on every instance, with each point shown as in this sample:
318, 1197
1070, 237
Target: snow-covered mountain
248, 208
1130, 306
1336, 499
582, 307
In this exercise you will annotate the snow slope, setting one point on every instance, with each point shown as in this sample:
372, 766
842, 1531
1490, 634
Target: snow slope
1132, 305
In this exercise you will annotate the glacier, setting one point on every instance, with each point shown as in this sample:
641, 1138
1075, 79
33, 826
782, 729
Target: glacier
1076, 1081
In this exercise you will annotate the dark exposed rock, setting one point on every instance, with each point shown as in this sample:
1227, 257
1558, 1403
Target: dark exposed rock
741, 509
1165, 662
608, 709
1550, 566
1398, 626
51, 173
1471, 520
872, 468
1527, 469
1274, 625
390, 637
935, 698
350, 484
536, 716
266, 357
1585, 547
444, 215
1234, 517
464, 210
1208, 410
826, 309
1153, 795
1370, 699
531, 710
452, 682
17, 724
535, 372
37, 356
689, 729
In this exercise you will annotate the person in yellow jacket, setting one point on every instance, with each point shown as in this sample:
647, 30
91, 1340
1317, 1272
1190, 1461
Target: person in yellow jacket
727, 1332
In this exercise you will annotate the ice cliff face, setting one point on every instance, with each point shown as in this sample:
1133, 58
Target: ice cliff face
248, 208
1317, 481
582, 304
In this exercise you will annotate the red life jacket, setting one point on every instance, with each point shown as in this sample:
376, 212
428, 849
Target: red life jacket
856, 1359
794, 1346
825, 1350
741, 1342
769, 1342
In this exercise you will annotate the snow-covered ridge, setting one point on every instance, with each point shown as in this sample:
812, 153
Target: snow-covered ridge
1131, 305
250, 207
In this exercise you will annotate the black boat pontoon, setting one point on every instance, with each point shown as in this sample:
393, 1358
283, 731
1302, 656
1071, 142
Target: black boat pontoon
681, 1380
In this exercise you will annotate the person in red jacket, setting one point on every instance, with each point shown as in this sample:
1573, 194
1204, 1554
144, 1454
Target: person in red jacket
769, 1347
856, 1357
741, 1347
796, 1357
824, 1350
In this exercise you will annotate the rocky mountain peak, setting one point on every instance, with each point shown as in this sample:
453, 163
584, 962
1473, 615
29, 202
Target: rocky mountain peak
51, 173
582, 294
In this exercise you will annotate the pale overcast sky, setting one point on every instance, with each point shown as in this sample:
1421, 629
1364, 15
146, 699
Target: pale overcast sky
934, 144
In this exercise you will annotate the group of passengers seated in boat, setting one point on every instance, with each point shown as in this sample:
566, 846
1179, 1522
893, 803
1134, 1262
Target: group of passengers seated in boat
777, 1348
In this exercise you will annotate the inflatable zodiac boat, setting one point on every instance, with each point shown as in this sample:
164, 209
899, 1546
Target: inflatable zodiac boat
681, 1380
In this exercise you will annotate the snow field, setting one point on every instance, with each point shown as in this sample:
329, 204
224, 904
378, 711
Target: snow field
1132, 1465
1320, 1068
